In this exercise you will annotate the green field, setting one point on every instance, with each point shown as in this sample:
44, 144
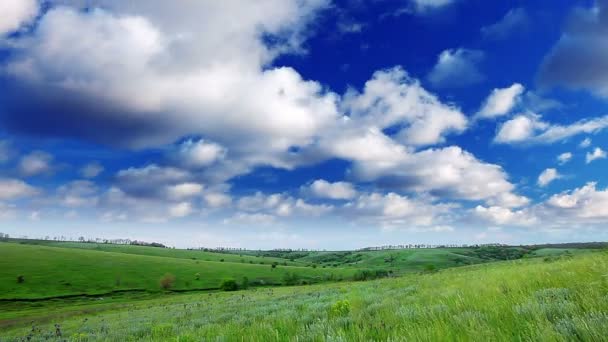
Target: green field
54, 271
539, 299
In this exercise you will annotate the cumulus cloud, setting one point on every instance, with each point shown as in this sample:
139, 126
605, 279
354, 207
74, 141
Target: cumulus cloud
579, 59
516, 20
35, 163
501, 101
457, 68
16, 13
585, 143
184, 190
564, 157
392, 98
201, 76
217, 199
337, 191
504, 216
529, 128
597, 153
181, 209
150, 181
199, 154
91, 170
548, 176
393, 210
13, 189
587, 203
280, 205
80, 193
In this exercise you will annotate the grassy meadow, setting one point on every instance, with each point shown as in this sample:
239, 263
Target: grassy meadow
560, 298
52, 271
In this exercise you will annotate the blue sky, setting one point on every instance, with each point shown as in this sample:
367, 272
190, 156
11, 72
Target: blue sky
311, 123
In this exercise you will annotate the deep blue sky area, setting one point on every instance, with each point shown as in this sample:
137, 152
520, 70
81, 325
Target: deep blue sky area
312, 123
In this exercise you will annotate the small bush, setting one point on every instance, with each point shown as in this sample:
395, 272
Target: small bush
197, 276
245, 283
340, 308
291, 278
229, 285
167, 281
20, 279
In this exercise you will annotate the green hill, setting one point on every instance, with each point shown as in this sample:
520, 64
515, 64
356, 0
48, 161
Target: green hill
555, 299
53, 271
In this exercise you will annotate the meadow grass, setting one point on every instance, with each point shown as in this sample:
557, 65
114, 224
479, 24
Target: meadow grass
559, 299
163, 252
52, 271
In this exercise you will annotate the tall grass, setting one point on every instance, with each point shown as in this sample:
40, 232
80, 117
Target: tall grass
527, 300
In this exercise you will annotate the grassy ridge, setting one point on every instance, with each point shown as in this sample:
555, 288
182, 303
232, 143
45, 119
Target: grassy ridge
52, 271
163, 252
563, 299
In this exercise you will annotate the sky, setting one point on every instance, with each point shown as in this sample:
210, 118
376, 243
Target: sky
322, 124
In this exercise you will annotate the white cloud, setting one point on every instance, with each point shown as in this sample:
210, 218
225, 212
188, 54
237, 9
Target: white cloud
585, 143
199, 153
529, 128
14, 189
338, 190
518, 129
280, 205
78, 193
204, 68
150, 181
391, 97
91, 170
597, 153
184, 190
16, 13
35, 163
457, 68
564, 157
586, 203
516, 20
501, 101
393, 210
547, 176
216, 199
504, 216
182, 209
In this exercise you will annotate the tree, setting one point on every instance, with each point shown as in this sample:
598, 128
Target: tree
229, 285
167, 281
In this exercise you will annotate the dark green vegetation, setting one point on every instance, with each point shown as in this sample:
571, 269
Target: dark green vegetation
558, 298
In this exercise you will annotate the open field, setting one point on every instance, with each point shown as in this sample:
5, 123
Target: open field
162, 252
53, 271
544, 299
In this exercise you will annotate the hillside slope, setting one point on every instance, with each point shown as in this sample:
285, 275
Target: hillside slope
53, 271
561, 299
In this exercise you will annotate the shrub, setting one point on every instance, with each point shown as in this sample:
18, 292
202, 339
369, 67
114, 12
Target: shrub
290, 278
430, 268
274, 264
197, 276
245, 283
340, 308
167, 281
20, 279
229, 285
221, 260
362, 275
